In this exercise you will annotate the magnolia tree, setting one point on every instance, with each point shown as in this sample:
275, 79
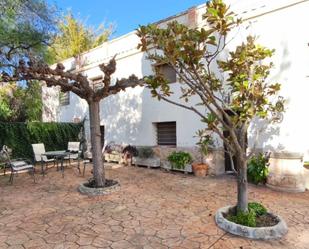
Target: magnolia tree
231, 92
81, 86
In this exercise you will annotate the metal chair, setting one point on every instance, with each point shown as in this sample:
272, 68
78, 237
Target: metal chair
73, 147
17, 165
38, 150
87, 160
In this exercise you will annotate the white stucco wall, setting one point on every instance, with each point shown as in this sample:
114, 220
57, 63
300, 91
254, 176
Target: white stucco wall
282, 29
128, 117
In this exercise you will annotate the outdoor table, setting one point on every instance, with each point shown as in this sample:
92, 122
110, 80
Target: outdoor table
58, 155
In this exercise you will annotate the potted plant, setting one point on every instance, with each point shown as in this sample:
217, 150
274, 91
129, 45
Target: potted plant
180, 160
200, 169
146, 157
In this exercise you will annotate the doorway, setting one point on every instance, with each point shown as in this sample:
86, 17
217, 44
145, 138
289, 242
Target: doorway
102, 130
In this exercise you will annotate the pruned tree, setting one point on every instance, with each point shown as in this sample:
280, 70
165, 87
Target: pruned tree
26, 27
81, 86
231, 92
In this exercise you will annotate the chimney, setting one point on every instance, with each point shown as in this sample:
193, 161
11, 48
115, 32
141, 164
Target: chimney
192, 17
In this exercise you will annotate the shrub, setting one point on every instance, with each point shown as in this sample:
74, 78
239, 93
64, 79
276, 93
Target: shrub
248, 218
258, 168
145, 152
258, 208
244, 218
179, 159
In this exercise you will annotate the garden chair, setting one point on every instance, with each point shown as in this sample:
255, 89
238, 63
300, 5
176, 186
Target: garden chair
17, 165
73, 147
3, 159
38, 150
87, 160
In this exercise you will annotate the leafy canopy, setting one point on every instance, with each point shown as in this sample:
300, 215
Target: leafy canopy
231, 98
231, 92
20, 104
25, 28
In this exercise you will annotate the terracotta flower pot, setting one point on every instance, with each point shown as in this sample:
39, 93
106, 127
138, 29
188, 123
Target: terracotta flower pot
200, 169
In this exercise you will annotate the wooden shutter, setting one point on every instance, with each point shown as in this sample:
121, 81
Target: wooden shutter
64, 98
166, 133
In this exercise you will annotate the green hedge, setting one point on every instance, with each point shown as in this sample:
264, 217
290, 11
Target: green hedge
20, 136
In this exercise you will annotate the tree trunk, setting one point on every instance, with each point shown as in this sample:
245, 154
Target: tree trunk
97, 159
242, 184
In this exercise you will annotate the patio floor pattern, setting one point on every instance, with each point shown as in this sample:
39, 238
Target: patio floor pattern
152, 209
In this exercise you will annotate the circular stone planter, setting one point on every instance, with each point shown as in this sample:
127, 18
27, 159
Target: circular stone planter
83, 189
262, 233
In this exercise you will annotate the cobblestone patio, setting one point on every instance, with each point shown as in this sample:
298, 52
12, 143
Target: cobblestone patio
152, 209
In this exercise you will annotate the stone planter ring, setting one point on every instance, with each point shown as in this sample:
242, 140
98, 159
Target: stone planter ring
83, 189
260, 233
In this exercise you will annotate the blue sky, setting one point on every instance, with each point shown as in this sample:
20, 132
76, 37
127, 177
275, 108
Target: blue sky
126, 14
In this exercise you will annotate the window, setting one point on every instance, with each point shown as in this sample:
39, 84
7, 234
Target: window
166, 133
64, 98
97, 83
168, 72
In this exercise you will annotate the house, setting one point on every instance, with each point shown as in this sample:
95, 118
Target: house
134, 117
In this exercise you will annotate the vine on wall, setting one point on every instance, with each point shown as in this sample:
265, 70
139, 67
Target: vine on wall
20, 136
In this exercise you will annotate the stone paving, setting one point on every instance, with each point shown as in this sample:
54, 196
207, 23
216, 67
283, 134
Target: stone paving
152, 209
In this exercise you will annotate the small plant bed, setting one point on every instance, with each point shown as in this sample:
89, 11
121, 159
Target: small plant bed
257, 223
306, 165
148, 162
179, 161
89, 188
257, 216
108, 183
146, 157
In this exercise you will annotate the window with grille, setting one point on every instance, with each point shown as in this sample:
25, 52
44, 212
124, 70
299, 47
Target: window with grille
168, 72
166, 133
64, 98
